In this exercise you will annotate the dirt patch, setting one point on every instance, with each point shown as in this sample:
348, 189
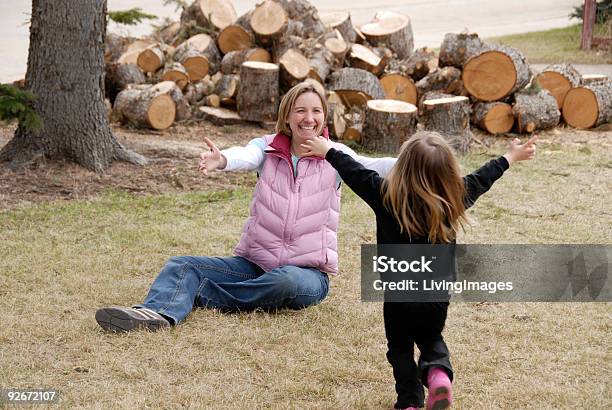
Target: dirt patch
172, 164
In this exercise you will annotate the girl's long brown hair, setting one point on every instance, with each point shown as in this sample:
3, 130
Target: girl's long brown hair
424, 190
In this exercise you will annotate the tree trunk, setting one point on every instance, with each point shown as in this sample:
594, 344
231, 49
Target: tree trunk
451, 118
535, 111
559, 79
588, 106
388, 123
66, 73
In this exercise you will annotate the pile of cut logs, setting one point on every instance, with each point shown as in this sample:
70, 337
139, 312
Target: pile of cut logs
228, 69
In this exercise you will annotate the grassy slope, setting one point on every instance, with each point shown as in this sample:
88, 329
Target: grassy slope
557, 45
61, 261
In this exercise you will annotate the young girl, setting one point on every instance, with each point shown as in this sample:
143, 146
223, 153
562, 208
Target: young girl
422, 200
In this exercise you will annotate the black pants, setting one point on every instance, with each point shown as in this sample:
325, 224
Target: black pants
406, 324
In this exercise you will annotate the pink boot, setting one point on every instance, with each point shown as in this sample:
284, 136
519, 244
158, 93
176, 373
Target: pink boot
440, 392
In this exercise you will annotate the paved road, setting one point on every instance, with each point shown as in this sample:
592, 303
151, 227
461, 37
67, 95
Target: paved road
431, 19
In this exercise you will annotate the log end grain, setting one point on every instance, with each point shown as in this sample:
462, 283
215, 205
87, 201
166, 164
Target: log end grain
489, 76
580, 108
233, 38
268, 19
399, 87
499, 119
161, 112
556, 83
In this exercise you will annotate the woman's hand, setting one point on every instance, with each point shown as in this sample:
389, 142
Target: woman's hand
317, 146
212, 159
521, 152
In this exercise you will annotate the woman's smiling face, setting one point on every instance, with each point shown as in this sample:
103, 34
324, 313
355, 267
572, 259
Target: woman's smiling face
306, 118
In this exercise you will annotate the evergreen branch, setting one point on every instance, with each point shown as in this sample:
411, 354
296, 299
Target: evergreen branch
16, 104
130, 17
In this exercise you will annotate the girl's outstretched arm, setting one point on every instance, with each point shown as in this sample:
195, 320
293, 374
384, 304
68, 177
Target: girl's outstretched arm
481, 180
364, 182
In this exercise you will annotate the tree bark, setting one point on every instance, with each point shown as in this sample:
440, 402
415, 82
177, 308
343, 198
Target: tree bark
456, 49
535, 111
66, 73
354, 79
451, 118
258, 92
388, 123
341, 21
416, 66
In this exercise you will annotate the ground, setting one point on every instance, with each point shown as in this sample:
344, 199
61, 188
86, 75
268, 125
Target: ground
62, 259
172, 164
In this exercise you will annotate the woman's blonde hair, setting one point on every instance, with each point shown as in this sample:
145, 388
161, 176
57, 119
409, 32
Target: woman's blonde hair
288, 101
424, 190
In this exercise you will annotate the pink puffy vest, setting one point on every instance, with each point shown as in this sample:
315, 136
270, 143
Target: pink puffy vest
293, 221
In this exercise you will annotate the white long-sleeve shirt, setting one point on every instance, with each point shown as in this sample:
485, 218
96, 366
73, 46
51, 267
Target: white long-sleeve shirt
251, 157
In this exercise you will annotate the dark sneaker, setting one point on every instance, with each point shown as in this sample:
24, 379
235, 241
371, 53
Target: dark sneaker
126, 319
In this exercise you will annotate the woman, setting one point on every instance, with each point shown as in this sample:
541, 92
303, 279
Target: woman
288, 245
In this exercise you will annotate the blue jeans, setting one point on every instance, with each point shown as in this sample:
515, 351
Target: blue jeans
231, 284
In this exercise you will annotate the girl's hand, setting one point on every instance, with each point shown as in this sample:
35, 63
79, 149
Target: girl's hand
212, 159
317, 147
521, 152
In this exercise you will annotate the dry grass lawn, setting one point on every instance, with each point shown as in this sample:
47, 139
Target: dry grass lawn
60, 261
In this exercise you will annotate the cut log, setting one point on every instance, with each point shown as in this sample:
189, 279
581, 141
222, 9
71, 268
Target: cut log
212, 100
593, 78
335, 118
338, 47
388, 123
119, 76
145, 108
151, 59
416, 66
268, 21
169, 34
294, 68
114, 46
457, 49
357, 81
281, 45
183, 109
353, 132
320, 64
559, 79
399, 87
341, 21
258, 91
391, 30
535, 111
493, 117
364, 58
220, 116
306, 15
233, 60
227, 87
451, 118
199, 55
495, 73
197, 91
177, 73
234, 38
211, 14
446, 80
588, 106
